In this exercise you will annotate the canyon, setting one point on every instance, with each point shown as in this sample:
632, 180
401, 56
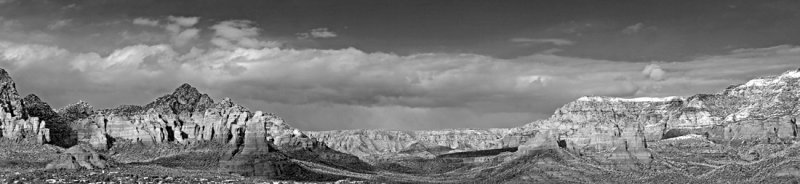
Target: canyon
749, 129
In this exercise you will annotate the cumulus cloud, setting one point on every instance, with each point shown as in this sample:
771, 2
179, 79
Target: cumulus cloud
350, 88
145, 22
233, 34
184, 21
553, 41
317, 33
654, 72
179, 29
632, 29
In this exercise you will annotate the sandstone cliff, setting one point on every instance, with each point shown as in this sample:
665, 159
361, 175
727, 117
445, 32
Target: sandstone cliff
261, 143
618, 129
15, 122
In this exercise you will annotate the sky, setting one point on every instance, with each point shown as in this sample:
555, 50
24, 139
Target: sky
381, 64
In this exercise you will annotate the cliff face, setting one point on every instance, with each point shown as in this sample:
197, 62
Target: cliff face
261, 143
763, 110
183, 117
15, 122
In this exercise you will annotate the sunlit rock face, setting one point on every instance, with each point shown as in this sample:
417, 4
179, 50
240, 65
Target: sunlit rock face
15, 122
186, 116
763, 110
262, 144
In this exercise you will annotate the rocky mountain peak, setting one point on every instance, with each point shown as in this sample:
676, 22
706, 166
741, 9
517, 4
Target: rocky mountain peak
4, 76
34, 106
186, 90
9, 97
184, 99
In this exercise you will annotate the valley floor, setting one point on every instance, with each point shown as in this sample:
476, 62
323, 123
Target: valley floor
675, 161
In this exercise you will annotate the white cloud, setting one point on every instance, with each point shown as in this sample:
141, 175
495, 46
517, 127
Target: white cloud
554, 41
179, 29
233, 34
184, 21
632, 29
145, 22
349, 88
317, 33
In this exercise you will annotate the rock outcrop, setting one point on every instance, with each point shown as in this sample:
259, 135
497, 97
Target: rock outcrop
60, 132
15, 122
262, 143
762, 110
79, 157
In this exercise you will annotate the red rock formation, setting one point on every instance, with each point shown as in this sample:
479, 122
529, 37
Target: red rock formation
15, 123
764, 109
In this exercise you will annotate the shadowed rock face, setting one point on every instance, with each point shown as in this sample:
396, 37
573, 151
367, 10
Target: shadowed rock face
61, 133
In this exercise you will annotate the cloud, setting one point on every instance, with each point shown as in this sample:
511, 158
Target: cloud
317, 33
184, 21
350, 88
239, 33
632, 29
654, 72
145, 22
59, 24
178, 28
554, 41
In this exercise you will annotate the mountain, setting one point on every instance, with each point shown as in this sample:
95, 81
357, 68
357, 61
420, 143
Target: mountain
745, 133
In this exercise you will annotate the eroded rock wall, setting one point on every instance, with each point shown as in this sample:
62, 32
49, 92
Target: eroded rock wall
763, 109
15, 122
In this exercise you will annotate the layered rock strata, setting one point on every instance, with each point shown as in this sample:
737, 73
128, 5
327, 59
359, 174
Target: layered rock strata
262, 143
183, 117
762, 110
